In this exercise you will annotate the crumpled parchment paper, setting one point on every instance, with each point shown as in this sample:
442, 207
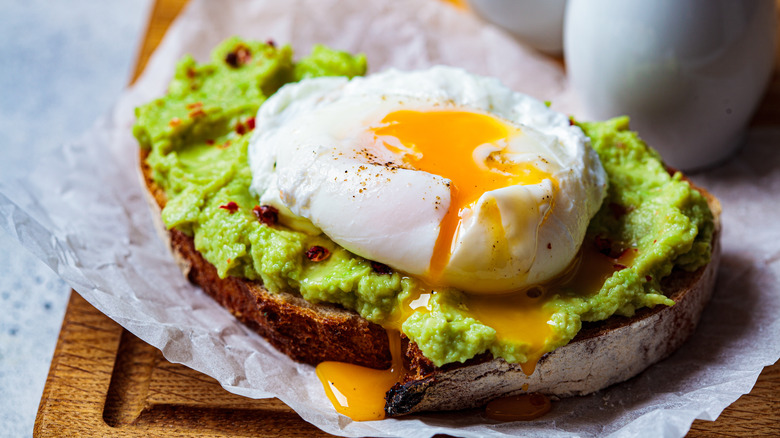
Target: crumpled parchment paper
83, 213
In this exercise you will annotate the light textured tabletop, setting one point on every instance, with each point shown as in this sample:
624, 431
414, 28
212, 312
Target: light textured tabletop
64, 64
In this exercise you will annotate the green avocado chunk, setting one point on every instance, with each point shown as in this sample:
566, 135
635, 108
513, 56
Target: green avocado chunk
197, 137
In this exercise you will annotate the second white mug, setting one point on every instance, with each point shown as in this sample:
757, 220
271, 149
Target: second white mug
689, 73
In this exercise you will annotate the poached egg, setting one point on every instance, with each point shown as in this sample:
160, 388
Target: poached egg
440, 174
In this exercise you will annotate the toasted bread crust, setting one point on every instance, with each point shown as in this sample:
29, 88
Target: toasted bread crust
614, 350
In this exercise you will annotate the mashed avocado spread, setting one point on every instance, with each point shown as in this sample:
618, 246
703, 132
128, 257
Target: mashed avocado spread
197, 138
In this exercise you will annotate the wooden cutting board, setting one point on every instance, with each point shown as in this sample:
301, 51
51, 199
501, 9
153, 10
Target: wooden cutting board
104, 381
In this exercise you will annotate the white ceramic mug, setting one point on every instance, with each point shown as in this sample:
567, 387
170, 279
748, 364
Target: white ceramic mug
538, 23
689, 73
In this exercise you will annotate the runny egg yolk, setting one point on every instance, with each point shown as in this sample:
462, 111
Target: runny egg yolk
446, 143
359, 392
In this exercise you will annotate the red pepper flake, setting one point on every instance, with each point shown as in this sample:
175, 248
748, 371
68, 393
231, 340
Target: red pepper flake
266, 214
244, 55
619, 267
190, 72
549, 245
197, 112
571, 121
194, 105
381, 268
239, 56
243, 128
175, 122
317, 253
209, 142
655, 241
271, 43
648, 278
231, 207
232, 59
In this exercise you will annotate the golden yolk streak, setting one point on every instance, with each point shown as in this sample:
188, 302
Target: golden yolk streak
442, 142
518, 317
522, 317
359, 392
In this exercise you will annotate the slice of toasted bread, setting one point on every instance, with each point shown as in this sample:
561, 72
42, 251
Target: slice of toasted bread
602, 354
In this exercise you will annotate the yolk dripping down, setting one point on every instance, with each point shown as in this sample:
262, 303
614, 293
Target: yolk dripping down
518, 317
359, 392
522, 317
443, 142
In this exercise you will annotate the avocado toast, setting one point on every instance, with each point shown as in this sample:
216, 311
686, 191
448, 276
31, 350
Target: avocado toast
211, 125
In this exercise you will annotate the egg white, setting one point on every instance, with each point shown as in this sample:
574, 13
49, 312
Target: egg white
313, 156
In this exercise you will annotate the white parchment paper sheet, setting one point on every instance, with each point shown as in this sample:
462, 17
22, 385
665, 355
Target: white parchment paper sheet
82, 212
